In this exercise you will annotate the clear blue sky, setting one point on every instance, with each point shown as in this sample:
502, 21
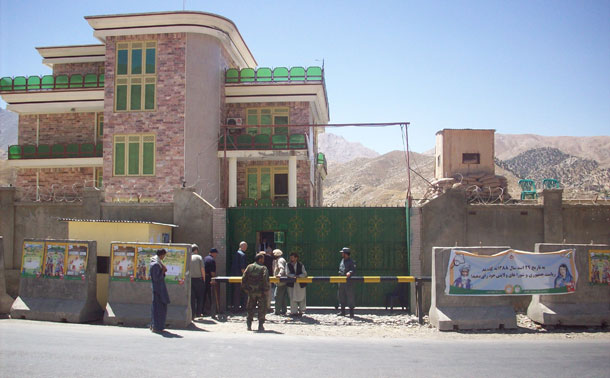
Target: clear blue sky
540, 67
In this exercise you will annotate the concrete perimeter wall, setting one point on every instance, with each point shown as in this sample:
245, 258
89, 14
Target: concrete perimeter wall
22, 220
450, 221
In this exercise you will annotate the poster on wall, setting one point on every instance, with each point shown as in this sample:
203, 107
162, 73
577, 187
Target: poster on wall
32, 258
55, 260
145, 252
123, 262
175, 261
511, 272
76, 265
599, 267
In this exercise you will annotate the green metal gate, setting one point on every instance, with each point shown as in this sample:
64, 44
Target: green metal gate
377, 238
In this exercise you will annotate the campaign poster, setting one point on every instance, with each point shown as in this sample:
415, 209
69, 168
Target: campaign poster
511, 272
599, 267
123, 262
145, 252
175, 261
55, 260
32, 258
76, 265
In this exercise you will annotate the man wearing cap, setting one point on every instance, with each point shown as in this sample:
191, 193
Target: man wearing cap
345, 294
209, 265
255, 282
281, 290
197, 288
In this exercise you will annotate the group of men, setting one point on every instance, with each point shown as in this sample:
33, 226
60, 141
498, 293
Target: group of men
255, 284
203, 269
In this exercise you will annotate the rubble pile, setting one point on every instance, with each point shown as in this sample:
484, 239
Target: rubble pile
478, 186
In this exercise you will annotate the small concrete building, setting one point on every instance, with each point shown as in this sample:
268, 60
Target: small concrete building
464, 151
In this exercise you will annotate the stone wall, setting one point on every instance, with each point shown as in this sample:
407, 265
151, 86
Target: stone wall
78, 68
166, 122
57, 128
52, 183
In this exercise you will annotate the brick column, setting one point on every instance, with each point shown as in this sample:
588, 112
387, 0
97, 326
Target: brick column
7, 225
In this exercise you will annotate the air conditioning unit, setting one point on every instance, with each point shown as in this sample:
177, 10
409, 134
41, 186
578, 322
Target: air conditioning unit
234, 121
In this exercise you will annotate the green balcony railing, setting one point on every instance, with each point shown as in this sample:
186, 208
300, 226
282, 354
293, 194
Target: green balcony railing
263, 142
55, 151
278, 74
50, 82
267, 202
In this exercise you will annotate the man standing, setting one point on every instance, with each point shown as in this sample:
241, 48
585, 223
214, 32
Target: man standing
160, 294
197, 277
209, 264
279, 270
269, 265
238, 266
296, 291
255, 283
345, 294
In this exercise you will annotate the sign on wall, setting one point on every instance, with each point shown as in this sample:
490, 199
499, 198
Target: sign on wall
76, 265
55, 260
32, 259
511, 272
132, 262
599, 267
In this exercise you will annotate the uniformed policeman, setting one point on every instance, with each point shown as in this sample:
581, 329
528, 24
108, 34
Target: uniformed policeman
345, 294
255, 282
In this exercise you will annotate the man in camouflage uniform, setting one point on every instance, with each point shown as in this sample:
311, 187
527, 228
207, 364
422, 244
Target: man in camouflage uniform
255, 282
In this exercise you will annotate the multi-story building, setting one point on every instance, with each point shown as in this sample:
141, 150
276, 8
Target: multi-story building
168, 100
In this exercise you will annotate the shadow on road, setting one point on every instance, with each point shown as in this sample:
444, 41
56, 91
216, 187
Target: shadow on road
169, 335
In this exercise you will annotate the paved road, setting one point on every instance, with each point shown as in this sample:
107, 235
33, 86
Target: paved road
43, 349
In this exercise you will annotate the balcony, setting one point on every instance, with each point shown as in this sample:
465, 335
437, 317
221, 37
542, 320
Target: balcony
263, 142
55, 151
277, 75
50, 82
321, 161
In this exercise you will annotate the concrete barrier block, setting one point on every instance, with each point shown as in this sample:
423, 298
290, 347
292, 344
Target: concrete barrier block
129, 303
449, 313
59, 300
588, 305
6, 301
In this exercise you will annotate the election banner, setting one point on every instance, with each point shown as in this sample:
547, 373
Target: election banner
55, 260
145, 252
32, 259
599, 267
77, 261
511, 272
123, 262
175, 261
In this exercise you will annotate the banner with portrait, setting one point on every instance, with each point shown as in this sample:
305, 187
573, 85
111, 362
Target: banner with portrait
76, 265
122, 262
32, 258
599, 267
511, 272
55, 260
132, 262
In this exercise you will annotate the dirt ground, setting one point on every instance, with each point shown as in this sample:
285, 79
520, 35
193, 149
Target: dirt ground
386, 324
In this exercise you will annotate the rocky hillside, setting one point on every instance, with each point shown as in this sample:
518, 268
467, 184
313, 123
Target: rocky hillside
339, 150
573, 172
595, 148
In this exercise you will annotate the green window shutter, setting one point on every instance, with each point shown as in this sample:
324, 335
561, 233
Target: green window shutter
136, 61
121, 68
121, 97
265, 183
148, 156
149, 96
150, 60
136, 97
119, 159
133, 162
252, 185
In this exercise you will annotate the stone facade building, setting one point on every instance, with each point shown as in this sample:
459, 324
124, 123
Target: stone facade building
146, 112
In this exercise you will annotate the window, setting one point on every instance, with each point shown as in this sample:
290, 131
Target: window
134, 155
100, 126
136, 76
98, 177
471, 158
267, 116
267, 182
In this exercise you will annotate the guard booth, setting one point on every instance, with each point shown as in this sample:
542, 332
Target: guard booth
104, 232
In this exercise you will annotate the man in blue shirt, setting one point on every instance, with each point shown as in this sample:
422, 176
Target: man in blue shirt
238, 266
